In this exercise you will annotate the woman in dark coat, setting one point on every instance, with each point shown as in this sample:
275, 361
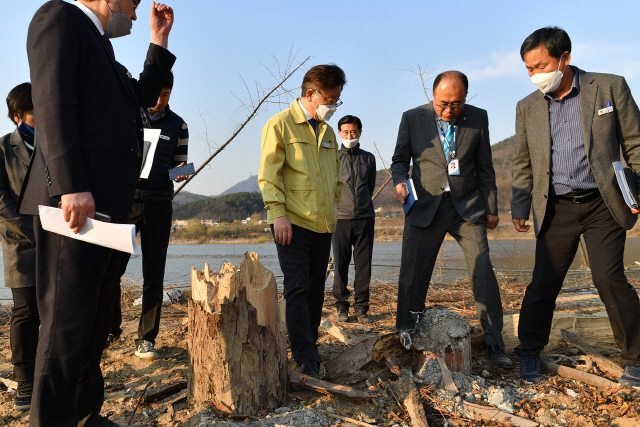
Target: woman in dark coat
18, 243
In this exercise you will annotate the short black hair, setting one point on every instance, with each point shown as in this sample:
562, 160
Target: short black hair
350, 120
555, 39
451, 74
168, 81
323, 77
19, 100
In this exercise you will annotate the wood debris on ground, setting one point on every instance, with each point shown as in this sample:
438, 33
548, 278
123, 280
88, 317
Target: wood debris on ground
487, 396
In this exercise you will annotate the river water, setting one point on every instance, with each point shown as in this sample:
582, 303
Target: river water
507, 256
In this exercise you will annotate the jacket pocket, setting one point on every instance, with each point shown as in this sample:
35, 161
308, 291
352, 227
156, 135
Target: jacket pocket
94, 143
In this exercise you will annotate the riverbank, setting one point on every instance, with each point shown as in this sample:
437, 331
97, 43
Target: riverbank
386, 230
126, 375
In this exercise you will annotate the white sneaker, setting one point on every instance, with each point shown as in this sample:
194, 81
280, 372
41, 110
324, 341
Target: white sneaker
146, 351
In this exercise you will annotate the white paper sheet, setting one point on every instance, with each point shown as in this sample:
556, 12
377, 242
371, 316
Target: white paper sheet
121, 237
151, 136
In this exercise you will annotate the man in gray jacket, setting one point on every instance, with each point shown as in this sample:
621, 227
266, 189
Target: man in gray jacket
568, 134
19, 244
448, 142
356, 220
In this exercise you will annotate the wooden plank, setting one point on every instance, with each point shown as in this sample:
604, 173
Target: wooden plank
337, 332
352, 359
605, 364
415, 409
347, 420
388, 344
575, 374
329, 388
446, 376
591, 328
487, 413
165, 392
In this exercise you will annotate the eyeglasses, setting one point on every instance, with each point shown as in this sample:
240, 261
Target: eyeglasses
336, 104
450, 106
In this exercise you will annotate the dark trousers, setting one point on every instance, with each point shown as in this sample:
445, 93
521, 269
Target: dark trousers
556, 248
75, 293
153, 222
25, 323
304, 265
420, 248
353, 235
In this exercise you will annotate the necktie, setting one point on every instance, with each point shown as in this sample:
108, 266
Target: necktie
109, 45
448, 138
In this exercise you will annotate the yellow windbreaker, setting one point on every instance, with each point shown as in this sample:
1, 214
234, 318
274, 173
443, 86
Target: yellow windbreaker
300, 175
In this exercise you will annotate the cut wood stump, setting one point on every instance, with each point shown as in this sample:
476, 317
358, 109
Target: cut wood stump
442, 333
237, 339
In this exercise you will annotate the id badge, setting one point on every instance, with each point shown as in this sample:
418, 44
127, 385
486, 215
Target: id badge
454, 167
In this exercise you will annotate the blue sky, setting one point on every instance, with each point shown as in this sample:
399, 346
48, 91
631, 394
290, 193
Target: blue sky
375, 42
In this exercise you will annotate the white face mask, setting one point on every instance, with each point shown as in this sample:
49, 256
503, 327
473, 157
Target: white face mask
350, 143
324, 112
549, 82
119, 24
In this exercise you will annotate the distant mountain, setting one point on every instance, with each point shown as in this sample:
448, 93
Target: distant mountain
222, 208
249, 185
186, 197
503, 153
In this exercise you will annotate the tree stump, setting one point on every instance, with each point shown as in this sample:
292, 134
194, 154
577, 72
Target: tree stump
237, 339
442, 333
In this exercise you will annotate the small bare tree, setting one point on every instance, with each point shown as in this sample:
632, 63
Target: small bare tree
276, 93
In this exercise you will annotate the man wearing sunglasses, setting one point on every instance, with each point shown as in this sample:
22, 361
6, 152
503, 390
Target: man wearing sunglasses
455, 183
300, 182
88, 132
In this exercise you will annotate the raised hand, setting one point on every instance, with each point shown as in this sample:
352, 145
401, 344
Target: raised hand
161, 21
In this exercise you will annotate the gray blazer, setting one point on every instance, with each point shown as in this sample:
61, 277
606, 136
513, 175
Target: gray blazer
473, 192
604, 137
16, 230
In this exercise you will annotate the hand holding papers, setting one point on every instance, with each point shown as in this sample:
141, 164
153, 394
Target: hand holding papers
627, 185
121, 237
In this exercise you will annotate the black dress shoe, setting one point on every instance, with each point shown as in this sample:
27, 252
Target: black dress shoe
311, 369
498, 358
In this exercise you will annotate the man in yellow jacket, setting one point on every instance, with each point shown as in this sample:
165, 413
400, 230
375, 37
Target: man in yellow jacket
300, 182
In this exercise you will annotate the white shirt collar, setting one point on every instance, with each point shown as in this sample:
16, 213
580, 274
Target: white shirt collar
304, 111
91, 16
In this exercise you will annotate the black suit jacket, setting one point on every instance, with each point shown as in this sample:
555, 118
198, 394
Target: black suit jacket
88, 125
473, 192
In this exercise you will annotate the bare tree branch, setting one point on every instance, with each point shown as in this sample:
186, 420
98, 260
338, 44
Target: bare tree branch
241, 126
424, 75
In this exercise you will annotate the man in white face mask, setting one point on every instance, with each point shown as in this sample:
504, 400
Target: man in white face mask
86, 159
568, 134
300, 182
356, 221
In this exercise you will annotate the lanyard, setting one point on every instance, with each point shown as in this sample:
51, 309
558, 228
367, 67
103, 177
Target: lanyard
452, 146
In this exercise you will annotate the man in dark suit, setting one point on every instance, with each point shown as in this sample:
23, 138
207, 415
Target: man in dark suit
455, 182
568, 134
88, 133
19, 243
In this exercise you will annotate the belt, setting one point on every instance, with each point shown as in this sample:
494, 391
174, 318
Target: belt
582, 196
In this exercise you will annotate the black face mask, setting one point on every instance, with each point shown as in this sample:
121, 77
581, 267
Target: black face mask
26, 130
